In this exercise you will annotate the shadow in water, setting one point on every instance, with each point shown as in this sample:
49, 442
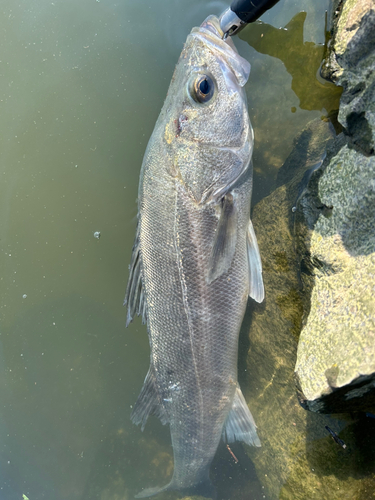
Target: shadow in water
235, 479
326, 457
118, 471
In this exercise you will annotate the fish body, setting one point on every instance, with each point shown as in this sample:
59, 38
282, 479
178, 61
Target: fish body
195, 258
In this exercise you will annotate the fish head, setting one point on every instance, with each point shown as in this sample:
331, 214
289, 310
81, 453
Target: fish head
207, 130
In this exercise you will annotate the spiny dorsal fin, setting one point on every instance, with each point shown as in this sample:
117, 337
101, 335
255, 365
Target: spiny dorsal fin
225, 240
240, 425
256, 289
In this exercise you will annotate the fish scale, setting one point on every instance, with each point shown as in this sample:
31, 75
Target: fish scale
195, 259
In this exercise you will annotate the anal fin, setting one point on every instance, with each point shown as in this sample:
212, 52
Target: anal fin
240, 425
256, 289
148, 402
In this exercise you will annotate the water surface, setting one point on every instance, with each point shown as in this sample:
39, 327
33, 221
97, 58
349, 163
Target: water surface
81, 86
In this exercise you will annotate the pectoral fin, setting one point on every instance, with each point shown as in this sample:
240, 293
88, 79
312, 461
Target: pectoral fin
148, 402
225, 240
240, 425
134, 296
256, 289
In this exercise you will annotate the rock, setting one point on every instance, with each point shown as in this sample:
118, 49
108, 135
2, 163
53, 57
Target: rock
336, 352
335, 368
350, 63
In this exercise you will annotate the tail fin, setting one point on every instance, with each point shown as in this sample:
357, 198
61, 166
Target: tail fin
205, 489
150, 492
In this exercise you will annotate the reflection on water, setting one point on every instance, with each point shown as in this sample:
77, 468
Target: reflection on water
285, 90
302, 60
82, 84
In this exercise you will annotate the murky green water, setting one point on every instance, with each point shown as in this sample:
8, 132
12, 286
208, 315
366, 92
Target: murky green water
81, 85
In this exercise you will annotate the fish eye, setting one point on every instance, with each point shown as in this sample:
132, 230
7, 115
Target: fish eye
202, 89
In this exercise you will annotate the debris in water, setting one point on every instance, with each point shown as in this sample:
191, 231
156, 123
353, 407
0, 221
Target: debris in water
97, 234
24, 296
233, 455
335, 437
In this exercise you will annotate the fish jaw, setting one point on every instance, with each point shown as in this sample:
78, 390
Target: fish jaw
211, 32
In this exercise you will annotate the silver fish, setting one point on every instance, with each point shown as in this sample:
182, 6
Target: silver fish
195, 258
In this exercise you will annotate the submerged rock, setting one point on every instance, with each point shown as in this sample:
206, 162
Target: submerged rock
299, 458
316, 234
335, 368
283, 463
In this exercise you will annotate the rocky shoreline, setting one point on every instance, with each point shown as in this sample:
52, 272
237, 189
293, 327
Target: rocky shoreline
315, 332
335, 368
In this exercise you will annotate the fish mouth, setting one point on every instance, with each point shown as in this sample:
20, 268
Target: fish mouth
211, 35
